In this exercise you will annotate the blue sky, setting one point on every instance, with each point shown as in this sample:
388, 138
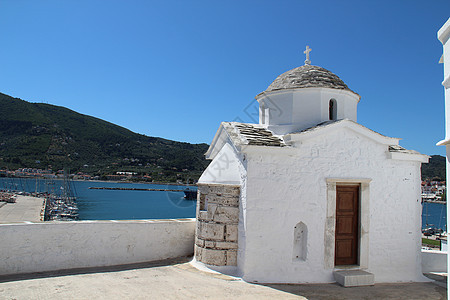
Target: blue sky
176, 69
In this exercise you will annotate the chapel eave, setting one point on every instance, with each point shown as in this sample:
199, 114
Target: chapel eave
444, 33
293, 90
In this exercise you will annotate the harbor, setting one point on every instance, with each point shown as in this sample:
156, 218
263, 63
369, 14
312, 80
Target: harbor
100, 200
23, 209
57, 198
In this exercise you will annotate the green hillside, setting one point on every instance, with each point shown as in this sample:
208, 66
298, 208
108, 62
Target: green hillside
434, 169
38, 135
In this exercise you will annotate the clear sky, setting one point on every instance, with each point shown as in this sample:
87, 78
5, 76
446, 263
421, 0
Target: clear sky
176, 69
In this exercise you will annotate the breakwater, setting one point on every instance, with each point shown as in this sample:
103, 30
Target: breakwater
134, 189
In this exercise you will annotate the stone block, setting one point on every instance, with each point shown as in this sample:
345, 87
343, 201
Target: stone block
203, 215
231, 258
213, 257
226, 214
199, 227
203, 189
201, 201
199, 242
224, 200
226, 245
211, 211
229, 190
198, 253
349, 278
231, 233
210, 244
211, 231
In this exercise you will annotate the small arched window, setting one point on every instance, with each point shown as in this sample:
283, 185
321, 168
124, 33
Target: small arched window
332, 110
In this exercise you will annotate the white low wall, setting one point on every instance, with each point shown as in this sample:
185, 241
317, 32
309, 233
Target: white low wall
434, 261
38, 247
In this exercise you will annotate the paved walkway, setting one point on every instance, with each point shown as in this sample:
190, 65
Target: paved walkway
180, 280
26, 208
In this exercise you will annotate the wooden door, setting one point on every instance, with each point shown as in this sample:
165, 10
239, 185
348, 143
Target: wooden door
347, 225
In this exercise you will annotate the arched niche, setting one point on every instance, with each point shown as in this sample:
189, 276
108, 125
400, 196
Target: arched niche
300, 242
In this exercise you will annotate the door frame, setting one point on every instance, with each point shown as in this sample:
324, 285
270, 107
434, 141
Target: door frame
330, 222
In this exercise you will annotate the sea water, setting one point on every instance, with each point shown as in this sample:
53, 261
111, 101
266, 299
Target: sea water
115, 204
129, 205
434, 215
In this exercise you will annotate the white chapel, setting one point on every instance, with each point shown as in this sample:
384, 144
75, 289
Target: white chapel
309, 195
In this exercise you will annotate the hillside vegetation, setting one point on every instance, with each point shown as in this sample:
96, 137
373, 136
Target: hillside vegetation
39, 135
434, 169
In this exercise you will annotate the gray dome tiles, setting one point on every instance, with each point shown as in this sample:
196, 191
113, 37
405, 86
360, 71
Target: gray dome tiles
305, 77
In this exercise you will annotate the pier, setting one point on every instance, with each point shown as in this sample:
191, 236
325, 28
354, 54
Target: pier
26, 208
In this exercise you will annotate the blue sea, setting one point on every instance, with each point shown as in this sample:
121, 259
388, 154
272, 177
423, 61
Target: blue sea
115, 204
129, 205
434, 215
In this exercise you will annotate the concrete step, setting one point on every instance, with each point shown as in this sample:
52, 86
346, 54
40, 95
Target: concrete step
348, 278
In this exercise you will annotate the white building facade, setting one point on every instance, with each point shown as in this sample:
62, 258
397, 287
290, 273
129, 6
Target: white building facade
443, 36
308, 191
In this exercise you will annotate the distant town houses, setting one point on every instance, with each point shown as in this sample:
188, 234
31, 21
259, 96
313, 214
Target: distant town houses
433, 191
115, 176
28, 172
42, 173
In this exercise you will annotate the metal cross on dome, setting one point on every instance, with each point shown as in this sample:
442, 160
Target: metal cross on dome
307, 61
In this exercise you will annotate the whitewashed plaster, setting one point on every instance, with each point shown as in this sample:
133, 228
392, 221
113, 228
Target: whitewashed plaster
293, 110
50, 246
224, 168
444, 36
434, 261
274, 203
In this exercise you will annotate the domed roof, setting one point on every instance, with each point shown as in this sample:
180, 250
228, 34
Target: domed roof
307, 76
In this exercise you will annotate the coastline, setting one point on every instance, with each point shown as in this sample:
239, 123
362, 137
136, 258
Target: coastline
111, 181
139, 182
438, 202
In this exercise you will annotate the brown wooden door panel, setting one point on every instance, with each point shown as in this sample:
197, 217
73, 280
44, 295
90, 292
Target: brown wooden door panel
347, 225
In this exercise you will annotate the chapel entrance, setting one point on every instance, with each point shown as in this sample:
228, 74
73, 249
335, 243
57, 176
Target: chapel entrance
347, 225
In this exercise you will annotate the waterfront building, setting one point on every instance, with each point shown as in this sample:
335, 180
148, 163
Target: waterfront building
308, 192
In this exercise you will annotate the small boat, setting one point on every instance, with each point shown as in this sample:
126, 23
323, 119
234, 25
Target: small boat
190, 194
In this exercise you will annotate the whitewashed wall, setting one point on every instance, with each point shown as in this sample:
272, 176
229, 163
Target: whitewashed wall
434, 261
288, 186
294, 110
443, 36
224, 168
38, 247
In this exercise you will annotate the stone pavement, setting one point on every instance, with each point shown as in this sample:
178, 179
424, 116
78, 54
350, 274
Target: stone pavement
178, 279
26, 208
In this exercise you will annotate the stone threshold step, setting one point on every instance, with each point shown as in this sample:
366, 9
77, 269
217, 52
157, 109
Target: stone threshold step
349, 278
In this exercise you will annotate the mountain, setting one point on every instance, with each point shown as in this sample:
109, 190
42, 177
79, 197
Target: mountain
434, 169
37, 135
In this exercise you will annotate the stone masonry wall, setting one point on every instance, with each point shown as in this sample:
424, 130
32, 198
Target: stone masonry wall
216, 236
